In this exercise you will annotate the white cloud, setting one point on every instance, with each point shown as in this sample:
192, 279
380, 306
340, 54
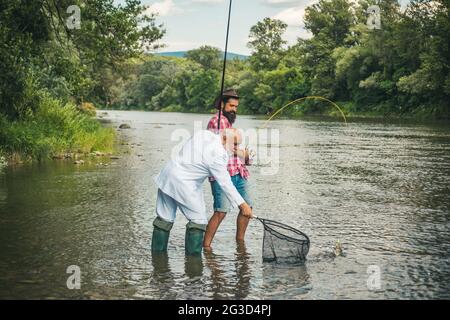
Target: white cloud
293, 33
280, 3
163, 8
292, 16
207, 1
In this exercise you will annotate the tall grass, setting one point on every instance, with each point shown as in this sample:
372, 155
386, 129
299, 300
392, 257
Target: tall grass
52, 130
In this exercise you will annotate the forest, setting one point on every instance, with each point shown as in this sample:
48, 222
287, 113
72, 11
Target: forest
399, 70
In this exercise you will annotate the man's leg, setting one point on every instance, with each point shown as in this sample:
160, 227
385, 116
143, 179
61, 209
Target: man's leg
166, 209
221, 205
212, 227
241, 221
195, 229
194, 238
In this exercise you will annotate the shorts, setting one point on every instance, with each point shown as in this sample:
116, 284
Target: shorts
221, 202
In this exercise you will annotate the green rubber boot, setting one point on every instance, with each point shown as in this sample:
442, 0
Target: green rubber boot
161, 232
194, 238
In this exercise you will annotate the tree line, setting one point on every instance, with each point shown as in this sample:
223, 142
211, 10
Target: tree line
401, 68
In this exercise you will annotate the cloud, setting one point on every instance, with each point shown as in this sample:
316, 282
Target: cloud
293, 33
291, 16
163, 8
207, 1
280, 3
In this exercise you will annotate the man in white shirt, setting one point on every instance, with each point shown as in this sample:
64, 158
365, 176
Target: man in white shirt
179, 183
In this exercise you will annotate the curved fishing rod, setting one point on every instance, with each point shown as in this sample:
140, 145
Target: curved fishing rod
224, 66
303, 99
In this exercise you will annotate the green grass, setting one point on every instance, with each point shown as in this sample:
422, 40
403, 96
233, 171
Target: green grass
54, 129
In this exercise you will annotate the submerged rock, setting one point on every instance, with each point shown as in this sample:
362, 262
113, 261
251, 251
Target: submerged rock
124, 126
98, 154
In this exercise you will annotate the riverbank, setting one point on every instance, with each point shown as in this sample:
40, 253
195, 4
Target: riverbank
53, 131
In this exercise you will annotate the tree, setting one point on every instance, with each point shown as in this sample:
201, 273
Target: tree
329, 21
37, 46
202, 90
267, 43
431, 79
208, 57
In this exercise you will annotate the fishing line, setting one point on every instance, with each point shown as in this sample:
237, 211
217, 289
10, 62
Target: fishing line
304, 99
224, 64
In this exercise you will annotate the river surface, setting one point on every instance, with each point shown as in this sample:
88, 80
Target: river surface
382, 190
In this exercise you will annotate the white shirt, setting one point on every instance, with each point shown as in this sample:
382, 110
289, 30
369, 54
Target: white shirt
202, 156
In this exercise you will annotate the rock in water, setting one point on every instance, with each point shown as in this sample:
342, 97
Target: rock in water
124, 126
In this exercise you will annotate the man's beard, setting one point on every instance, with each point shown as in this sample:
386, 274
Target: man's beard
231, 116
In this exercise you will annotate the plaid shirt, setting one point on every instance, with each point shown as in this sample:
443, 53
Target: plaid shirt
235, 164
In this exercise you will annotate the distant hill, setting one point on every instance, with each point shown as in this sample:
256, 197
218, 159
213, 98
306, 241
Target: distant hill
181, 54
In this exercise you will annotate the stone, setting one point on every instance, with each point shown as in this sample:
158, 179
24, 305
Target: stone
124, 126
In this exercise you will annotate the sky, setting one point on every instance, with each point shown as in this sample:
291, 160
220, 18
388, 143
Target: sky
190, 24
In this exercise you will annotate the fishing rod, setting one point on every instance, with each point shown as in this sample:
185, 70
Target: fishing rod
224, 65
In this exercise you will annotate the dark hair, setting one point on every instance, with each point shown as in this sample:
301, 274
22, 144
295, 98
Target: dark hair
227, 95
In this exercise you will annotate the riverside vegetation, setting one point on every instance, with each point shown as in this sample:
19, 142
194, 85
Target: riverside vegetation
49, 71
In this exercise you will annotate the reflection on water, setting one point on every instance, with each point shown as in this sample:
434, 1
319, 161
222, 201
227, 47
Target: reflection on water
234, 284
380, 189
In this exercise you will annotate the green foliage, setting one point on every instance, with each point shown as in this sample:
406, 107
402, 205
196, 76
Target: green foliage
39, 51
401, 69
208, 57
54, 129
46, 69
202, 89
267, 43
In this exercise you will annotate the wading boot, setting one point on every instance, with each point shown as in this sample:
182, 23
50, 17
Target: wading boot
194, 238
161, 232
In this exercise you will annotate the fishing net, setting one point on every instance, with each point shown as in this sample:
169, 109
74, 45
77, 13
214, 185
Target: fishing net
283, 244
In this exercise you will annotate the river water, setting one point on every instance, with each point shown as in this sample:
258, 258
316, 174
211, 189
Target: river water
382, 190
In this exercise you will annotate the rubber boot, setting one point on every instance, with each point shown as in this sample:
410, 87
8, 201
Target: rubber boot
194, 238
161, 232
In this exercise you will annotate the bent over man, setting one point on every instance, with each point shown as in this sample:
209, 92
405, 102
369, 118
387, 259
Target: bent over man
180, 182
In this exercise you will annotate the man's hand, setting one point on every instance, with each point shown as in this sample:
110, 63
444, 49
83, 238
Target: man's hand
245, 155
240, 153
246, 210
